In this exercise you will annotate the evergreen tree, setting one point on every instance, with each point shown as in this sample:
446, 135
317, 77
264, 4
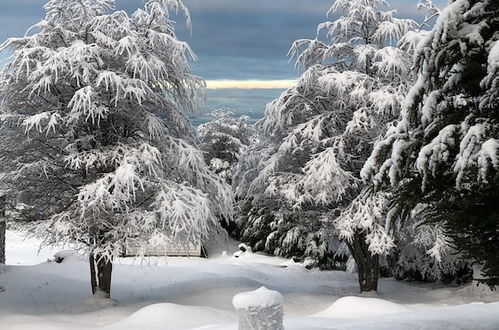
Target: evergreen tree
423, 253
222, 140
315, 138
108, 156
442, 157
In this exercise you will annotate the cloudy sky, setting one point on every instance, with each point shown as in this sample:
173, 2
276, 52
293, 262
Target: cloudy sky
234, 39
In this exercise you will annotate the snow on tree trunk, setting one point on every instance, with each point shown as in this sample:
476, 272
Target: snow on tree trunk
100, 275
260, 309
3, 227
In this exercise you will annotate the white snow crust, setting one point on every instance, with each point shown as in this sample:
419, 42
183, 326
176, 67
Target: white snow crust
261, 297
194, 293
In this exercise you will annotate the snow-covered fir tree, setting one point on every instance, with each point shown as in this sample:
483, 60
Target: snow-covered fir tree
223, 139
423, 253
442, 158
315, 138
109, 157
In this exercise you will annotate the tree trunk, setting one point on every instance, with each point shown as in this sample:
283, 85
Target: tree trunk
367, 263
93, 276
100, 274
3, 227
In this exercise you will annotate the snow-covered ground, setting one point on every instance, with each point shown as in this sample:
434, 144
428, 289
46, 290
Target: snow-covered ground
183, 293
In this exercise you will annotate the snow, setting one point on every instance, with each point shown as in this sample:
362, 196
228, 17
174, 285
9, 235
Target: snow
134, 71
360, 307
488, 154
473, 316
192, 293
261, 297
493, 58
98, 300
64, 255
24, 251
438, 151
313, 140
173, 317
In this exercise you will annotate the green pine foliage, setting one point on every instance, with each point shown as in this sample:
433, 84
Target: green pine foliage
442, 157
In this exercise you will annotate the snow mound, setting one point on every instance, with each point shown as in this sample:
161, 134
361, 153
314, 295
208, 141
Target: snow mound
261, 298
167, 316
98, 301
65, 256
358, 307
22, 250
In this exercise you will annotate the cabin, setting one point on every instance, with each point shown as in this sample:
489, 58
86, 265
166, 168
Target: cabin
169, 250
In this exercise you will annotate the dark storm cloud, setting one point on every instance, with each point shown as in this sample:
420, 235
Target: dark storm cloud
234, 39
241, 39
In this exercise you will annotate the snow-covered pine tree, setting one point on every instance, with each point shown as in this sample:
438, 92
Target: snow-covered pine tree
223, 139
6, 165
442, 158
315, 138
101, 95
423, 252
432, 12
